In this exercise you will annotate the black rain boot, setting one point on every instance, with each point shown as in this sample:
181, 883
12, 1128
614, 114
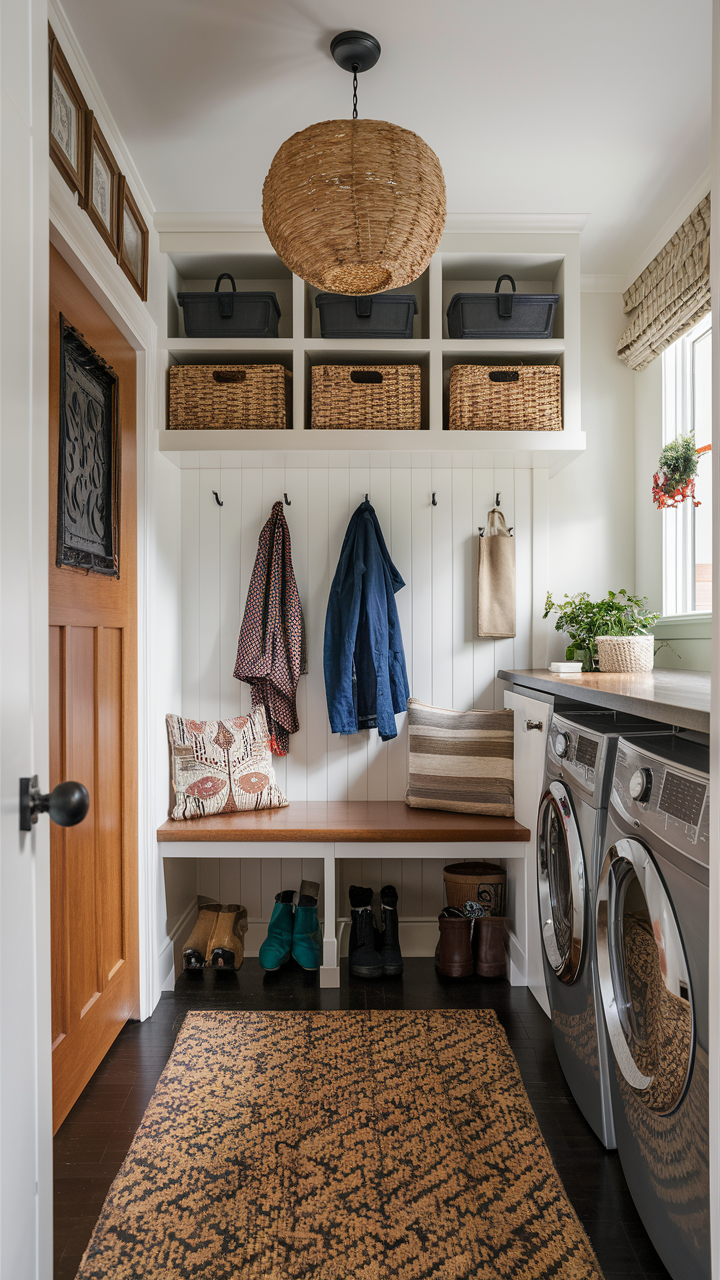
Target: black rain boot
365, 961
390, 954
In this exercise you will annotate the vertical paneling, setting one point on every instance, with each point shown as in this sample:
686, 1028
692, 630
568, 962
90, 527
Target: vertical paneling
435, 550
401, 543
504, 484
80, 841
190, 578
441, 619
315, 605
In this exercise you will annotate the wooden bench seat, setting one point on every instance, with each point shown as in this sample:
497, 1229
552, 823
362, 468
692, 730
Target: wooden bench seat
351, 821
343, 829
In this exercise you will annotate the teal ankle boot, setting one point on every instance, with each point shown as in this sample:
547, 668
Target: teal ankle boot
277, 947
307, 939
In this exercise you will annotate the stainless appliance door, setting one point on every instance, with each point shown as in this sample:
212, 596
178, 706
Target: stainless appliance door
561, 883
644, 981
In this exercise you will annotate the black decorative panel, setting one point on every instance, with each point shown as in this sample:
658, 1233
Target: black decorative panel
88, 471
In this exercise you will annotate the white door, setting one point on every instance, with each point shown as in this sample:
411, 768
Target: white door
25, 1081
531, 729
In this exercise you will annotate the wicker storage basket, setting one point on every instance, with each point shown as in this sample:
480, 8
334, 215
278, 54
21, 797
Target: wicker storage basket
482, 882
486, 397
383, 397
228, 397
626, 653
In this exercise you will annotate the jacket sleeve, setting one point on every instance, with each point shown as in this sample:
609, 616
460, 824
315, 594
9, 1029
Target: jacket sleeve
341, 624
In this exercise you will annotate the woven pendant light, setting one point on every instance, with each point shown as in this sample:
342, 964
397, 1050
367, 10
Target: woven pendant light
355, 206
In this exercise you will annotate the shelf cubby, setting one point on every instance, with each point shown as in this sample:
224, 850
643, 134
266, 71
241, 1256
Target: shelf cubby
540, 262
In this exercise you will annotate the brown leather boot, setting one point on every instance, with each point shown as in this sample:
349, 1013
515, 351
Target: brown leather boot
489, 946
226, 949
195, 952
453, 955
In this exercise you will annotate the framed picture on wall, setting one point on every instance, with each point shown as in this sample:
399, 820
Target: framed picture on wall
102, 186
133, 241
68, 113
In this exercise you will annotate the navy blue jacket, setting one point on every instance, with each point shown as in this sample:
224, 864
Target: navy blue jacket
364, 662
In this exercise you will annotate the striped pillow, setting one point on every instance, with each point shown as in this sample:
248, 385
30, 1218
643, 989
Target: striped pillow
460, 760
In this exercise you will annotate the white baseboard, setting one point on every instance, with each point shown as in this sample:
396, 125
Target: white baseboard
170, 958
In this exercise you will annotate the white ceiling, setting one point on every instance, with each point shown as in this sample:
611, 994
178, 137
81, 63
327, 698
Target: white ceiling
533, 106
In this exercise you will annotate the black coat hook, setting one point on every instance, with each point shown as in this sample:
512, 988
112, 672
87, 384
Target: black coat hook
288, 503
497, 499
434, 500
215, 496
366, 498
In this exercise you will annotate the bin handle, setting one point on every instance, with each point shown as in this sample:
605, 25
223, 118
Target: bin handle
505, 300
504, 375
226, 276
365, 375
229, 375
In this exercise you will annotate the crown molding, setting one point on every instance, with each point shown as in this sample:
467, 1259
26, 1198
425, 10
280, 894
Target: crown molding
602, 284
248, 221
547, 223
82, 71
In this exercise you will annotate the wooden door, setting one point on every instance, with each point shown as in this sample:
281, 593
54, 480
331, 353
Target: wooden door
93, 727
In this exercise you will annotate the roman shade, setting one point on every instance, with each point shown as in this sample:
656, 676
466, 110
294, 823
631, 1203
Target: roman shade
671, 294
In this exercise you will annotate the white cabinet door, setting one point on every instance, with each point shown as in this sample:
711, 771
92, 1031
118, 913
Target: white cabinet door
531, 728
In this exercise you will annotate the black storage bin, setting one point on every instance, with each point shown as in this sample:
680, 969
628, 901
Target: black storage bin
230, 314
376, 315
502, 315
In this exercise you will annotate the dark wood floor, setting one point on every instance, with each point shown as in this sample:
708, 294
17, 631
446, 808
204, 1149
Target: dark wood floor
94, 1139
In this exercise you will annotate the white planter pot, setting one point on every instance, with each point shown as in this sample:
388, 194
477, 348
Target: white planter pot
626, 653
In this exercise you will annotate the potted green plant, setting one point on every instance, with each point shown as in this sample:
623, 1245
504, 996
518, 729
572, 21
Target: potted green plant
612, 634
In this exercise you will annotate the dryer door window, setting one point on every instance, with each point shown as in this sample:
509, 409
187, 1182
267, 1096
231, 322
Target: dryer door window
561, 883
644, 977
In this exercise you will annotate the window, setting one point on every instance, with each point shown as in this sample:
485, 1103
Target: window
687, 530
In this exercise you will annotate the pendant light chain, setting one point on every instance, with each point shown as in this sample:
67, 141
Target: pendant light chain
355, 71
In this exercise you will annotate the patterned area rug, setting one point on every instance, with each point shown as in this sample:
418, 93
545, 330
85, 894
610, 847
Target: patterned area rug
339, 1146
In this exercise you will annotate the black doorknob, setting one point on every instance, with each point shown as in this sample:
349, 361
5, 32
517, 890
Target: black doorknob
67, 803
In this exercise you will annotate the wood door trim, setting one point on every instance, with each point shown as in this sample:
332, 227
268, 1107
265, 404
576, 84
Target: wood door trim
109, 608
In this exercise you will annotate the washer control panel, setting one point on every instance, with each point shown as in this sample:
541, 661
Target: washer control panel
663, 797
577, 753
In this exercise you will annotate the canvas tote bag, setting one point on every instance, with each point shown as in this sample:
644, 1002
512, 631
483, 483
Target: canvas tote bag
496, 579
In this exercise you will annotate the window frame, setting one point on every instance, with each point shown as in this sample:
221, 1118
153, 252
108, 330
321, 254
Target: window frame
678, 525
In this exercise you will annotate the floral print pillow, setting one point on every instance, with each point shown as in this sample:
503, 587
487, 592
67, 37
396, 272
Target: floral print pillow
221, 766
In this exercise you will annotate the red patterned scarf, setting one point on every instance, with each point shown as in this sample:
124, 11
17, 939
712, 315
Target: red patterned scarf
271, 648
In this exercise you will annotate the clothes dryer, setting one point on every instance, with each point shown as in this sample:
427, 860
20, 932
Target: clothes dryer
652, 952
571, 828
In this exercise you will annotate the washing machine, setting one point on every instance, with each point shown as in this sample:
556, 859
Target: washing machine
652, 956
571, 828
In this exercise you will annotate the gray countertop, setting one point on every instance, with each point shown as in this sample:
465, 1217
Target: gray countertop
675, 697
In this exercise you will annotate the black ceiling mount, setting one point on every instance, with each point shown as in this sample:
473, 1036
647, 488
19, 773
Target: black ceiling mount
355, 50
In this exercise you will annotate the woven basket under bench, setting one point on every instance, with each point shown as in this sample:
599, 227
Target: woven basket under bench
488, 397
382, 397
228, 397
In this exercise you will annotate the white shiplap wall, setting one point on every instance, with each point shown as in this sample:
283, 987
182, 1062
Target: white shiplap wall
435, 550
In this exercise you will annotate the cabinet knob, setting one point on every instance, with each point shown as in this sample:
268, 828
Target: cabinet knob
534, 724
67, 803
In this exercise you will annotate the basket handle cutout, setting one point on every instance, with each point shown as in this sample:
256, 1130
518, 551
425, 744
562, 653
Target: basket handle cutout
504, 375
229, 375
226, 276
365, 375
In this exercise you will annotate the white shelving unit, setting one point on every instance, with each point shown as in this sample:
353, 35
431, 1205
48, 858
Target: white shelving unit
466, 261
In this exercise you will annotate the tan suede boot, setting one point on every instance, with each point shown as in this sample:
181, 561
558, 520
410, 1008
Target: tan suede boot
226, 948
195, 952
